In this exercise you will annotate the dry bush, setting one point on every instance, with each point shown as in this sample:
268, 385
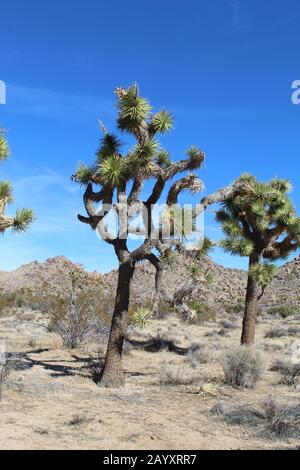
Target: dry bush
270, 420
227, 325
284, 310
290, 372
198, 354
176, 375
75, 315
275, 332
278, 332
204, 312
243, 366
8, 364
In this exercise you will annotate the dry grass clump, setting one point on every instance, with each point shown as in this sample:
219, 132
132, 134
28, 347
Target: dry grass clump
74, 314
227, 325
278, 332
242, 366
198, 354
8, 364
270, 420
290, 372
176, 375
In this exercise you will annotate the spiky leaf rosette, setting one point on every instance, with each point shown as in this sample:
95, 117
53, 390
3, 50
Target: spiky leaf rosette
261, 220
263, 274
133, 109
163, 159
161, 122
195, 157
22, 220
113, 171
4, 149
110, 145
6, 192
84, 174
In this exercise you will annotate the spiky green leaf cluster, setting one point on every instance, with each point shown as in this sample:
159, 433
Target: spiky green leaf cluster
163, 159
161, 122
133, 109
6, 192
110, 145
195, 157
263, 274
205, 248
142, 317
260, 219
84, 174
4, 149
113, 171
23, 218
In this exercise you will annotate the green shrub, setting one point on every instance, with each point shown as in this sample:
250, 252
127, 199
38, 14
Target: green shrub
284, 310
204, 311
142, 317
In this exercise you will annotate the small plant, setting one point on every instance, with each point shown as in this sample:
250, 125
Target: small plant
270, 420
290, 372
8, 364
198, 354
176, 375
284, 310
234, 307
242, 366
73, 316
278, 332
275, 333
204, 312
227, 325
142, 317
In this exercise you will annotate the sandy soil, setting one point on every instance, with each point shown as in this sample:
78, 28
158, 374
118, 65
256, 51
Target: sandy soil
52, 404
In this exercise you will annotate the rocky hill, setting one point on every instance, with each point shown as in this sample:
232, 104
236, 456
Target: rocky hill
227, 285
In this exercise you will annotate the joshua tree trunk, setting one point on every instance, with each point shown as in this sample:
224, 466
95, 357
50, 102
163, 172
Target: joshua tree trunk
248, 332
113, 375
158, 289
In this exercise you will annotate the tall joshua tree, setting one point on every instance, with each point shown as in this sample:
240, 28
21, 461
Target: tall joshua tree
121, 178
260, 223
23, 217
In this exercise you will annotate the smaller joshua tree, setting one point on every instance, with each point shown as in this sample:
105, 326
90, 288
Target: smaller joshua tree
23, 217
260, 223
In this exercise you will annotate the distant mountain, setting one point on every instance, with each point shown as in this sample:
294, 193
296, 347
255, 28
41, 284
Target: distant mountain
227, 285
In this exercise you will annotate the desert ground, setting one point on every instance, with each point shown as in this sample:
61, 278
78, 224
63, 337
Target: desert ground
50, 401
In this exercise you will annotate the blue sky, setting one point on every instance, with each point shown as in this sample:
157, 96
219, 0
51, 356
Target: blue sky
223, 67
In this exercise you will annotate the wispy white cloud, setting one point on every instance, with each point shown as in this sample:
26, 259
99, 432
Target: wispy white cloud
53, 104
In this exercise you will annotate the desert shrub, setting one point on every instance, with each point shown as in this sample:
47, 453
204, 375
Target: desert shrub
275, 332
176, 375
284, 310
236, 307
74, 316
204, 312
142, 317
228, 325
198, 354
278, 332
270, 420
8, 364
242, 366
290, 372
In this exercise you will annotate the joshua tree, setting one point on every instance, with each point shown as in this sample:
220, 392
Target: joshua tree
23, 217
260, 223
121, 179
